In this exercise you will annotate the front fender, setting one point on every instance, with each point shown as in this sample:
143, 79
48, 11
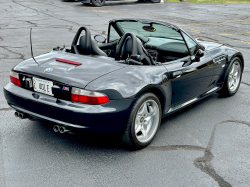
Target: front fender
232, 53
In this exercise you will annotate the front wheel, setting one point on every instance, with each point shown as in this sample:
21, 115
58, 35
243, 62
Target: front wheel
143, 123
232, 78
98, 3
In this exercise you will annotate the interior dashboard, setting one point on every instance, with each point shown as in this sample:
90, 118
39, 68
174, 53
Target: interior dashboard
165, 50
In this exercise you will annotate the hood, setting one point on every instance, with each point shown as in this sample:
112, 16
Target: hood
209, 44
73, 75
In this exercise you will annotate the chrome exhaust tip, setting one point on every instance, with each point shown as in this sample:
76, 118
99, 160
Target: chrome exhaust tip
21, 116
56, 128
63, 130
16, 114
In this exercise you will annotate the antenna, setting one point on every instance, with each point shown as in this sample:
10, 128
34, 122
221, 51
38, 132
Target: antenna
31, 47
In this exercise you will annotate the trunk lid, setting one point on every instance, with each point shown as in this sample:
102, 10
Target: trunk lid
73, 75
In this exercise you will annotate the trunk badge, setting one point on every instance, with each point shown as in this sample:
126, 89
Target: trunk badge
65, 88
47, 70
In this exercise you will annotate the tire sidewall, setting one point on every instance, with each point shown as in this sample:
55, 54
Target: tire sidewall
140, 101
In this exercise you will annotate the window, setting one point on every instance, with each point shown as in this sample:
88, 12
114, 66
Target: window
137, 28
113, 35
191, 44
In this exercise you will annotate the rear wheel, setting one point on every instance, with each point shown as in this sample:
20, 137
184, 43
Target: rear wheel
98, 3
143, 123
232, 79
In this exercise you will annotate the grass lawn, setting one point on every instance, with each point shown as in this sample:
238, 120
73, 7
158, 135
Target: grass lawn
214, 1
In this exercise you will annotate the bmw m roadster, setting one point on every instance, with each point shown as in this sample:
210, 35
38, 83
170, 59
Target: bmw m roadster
145, 71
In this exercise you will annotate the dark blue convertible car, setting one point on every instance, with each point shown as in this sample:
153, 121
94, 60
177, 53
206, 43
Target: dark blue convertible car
145, 71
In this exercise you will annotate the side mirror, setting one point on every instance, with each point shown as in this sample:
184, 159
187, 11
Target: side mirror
199, 53
100, 38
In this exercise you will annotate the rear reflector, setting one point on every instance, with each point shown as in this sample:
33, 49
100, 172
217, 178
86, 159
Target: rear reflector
14, 78
88, 97
68, 61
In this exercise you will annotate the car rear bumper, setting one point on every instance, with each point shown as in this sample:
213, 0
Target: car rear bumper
108, 118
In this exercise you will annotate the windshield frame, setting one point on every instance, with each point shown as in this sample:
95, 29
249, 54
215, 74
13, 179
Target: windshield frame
121, 32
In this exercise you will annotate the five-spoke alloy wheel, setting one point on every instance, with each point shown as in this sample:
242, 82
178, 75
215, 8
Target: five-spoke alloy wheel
232, 78
143, 123
146, 121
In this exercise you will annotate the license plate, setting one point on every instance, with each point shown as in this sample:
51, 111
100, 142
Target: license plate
43, 86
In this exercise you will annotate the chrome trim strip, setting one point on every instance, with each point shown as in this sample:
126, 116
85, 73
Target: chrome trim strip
190, 101
48, 118
213, 89
182, 105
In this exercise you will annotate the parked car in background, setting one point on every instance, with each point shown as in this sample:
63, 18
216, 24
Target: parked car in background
99, 3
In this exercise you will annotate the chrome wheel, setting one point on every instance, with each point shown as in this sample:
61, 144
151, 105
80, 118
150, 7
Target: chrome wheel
147, 121
98, 3
234, 76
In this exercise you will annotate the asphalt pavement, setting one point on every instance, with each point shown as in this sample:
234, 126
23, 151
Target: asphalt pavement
206, 144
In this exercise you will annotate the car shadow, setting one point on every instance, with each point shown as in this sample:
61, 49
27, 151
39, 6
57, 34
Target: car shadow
43, 132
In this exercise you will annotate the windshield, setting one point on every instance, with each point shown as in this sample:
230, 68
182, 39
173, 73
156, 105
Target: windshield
149, 29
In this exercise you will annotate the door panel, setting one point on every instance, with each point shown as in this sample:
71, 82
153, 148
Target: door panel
192, 80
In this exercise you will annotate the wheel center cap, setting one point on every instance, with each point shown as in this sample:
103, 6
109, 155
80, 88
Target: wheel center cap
142, 119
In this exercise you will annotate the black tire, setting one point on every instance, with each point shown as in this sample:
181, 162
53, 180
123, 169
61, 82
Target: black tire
155, 1
98, 3
226, 91
141, 0
128, 138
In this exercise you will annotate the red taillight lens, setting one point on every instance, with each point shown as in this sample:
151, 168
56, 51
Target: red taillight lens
89, 97
14, 78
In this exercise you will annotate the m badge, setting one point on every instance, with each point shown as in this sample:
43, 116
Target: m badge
65, 88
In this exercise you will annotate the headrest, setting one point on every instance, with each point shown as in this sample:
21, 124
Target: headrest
127, 47
82, 42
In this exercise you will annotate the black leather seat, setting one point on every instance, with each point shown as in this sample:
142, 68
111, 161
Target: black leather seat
130, 47
86, 46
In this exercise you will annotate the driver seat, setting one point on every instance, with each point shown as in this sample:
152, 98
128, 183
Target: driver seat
86, 46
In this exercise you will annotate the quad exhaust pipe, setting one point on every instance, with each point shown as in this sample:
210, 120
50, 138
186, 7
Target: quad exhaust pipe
20, 115
56, 128
61, 129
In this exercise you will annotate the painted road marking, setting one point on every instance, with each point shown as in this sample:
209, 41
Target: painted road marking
230, 21
240, 33
244, 41
196, 31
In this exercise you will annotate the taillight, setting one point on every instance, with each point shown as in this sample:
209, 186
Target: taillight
89, 97
14, 78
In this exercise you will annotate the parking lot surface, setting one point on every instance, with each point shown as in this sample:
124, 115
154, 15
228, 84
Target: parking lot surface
206, 144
